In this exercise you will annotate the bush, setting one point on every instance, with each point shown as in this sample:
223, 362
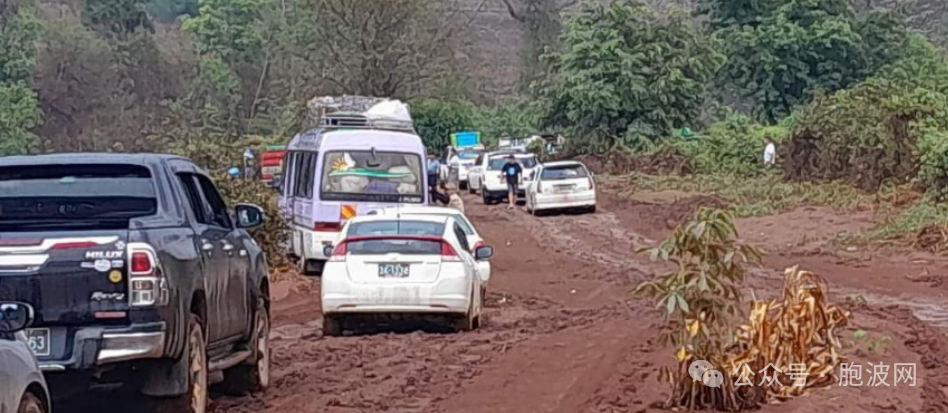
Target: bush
731, 146
889, 127
865, 135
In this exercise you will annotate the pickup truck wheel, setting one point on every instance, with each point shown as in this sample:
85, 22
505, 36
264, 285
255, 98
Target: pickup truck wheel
194, 400
332, 327
254, 375
31, 404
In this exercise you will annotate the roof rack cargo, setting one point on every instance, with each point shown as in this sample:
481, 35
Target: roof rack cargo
360, 112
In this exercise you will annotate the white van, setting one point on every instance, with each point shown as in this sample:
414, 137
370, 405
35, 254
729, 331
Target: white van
354, 162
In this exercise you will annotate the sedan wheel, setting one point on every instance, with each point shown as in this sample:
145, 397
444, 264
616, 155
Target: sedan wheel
31, 404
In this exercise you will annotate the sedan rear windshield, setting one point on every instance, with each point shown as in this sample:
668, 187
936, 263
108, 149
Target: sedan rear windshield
561, 172
397, 246
396, 227
98, 196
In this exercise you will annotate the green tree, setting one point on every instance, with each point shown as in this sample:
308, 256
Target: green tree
119, 18
781, 58
436, 119
170, 10
229, 29
625, 76
19, 31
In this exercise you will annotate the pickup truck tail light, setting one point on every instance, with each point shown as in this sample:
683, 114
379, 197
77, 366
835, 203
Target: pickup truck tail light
147, 282
327, 227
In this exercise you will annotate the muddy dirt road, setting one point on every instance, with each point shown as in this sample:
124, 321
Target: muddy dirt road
563, 335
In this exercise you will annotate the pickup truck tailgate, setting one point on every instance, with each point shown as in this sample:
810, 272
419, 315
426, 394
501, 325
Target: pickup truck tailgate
70, 278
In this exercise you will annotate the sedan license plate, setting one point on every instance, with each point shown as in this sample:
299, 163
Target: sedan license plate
38, 341
393, 270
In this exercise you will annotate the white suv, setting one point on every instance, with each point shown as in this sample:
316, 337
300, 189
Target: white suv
417, 265
487, 176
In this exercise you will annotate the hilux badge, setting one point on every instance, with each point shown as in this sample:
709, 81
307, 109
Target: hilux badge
91, 255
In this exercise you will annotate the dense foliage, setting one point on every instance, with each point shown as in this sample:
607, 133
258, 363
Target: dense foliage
626, 77
848, 89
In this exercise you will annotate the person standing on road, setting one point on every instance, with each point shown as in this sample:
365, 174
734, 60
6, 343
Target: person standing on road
770, 153
511, 174
433, 170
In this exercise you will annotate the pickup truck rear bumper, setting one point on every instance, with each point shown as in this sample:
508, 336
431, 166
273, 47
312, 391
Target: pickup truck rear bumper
98, 346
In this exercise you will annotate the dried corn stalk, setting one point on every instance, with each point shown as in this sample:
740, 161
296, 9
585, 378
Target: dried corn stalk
797, 337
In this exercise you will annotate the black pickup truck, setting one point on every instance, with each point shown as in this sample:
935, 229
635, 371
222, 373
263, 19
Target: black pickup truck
139, 274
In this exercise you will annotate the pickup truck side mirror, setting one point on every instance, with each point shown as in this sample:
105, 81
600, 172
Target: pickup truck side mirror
249, 216
15, 316
484, 253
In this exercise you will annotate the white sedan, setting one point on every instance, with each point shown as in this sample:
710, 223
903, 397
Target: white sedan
474, 239
418, 265
24, 388
561, 185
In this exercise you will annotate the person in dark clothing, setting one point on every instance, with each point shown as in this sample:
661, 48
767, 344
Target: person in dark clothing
433, 169
511, 174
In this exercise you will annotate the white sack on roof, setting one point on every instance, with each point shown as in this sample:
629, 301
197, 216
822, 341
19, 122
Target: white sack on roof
390, 109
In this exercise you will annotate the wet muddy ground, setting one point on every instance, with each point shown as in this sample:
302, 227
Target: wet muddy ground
563, 335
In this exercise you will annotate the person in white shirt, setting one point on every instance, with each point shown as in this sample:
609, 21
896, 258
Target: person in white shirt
770, 153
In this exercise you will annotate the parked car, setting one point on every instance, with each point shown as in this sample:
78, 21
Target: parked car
461, 164
138, 273
24, 388
474, 239
561, 185
486, 176
420, 265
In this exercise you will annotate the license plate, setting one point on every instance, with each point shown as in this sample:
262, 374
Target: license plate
562, 189
393, 270
38, 341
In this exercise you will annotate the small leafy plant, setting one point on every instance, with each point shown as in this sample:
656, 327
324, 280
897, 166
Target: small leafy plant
701, 299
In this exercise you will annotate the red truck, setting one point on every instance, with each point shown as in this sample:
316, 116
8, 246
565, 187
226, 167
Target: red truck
271, 163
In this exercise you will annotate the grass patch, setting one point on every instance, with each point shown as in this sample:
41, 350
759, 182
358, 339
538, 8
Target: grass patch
924, 224
757, 196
